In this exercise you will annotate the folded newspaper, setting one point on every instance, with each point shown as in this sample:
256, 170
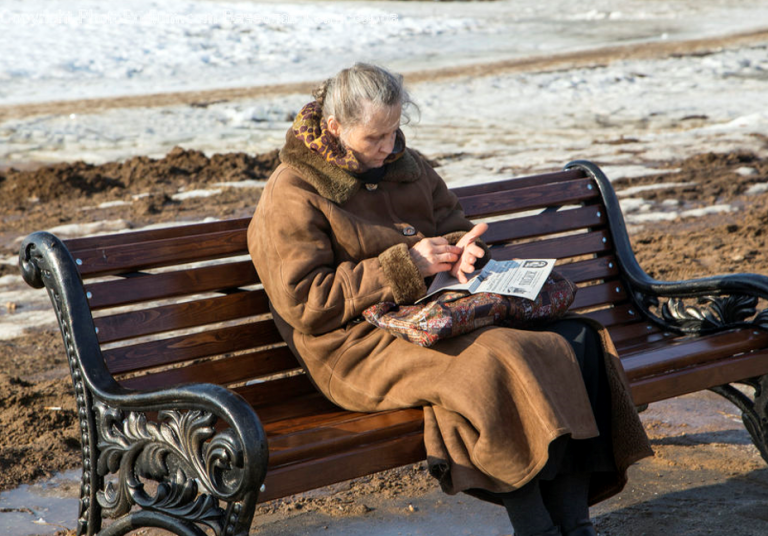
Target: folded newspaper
519, 277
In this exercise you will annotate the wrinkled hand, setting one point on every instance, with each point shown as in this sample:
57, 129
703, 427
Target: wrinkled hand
470, 252
433, 255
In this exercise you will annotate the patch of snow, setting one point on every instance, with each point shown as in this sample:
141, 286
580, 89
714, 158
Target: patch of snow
633, 171
746, 171
248, 183
633, 190
714, 209
634, 204
757, 188
192, 194
10, 279
71, 230
649, 217
33, 310
110, 204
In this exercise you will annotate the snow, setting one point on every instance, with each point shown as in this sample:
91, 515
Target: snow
757, 188
647, 215
746, 171
28, 308
633, 190
499, 124
248, 183
72, 49
72, 230
193, 194
146, 46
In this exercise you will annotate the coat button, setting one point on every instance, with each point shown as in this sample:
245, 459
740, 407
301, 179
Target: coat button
409, 231
370, 186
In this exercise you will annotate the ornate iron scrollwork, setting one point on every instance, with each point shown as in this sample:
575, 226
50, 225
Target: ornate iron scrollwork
706, 314
754, 412
193, 466
716, 313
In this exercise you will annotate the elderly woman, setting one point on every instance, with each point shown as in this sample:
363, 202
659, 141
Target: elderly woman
539, 421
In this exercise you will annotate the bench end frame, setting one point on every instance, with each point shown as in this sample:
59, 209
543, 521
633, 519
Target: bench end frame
719, 303
195, 467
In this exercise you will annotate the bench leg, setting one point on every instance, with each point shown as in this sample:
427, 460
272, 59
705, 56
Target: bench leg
754, 412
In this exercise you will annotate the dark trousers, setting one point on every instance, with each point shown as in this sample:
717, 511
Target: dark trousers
587, 455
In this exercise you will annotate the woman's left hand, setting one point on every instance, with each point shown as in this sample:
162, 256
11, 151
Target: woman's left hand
470, 252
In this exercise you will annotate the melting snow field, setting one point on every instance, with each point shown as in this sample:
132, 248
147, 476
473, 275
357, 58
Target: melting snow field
72, 49
492, 125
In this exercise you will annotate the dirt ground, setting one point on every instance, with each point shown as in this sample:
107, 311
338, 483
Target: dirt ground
37, 412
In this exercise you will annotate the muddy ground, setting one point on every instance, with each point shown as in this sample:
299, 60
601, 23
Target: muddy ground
37, 413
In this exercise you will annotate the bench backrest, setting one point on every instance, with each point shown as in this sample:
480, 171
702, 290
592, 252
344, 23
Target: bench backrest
184, 303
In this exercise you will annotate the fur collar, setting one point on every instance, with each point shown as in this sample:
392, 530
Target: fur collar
334, 183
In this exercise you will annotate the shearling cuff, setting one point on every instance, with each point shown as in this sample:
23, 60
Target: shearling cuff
402, 274
455, 236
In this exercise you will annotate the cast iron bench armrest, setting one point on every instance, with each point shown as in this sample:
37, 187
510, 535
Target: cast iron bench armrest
741, 291
181, 449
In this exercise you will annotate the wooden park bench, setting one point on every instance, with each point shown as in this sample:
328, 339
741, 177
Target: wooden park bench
182, 378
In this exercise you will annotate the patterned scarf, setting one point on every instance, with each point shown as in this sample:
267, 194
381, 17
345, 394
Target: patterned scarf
310, 127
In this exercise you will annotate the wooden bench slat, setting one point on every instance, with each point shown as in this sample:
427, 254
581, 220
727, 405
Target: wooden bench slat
648, 341
181, 315
224, 371
628, 332
590, 270
129, 257
365, 460
712, 374
270, 393
326, 439
515, 183
300, 423
297, 407
186, 347
599, 295
681, 353
150, 287
619, 314
75, 245
545, 223
335, 424
528, 198
556, 248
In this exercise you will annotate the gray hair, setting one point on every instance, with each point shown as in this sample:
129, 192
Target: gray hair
345, 95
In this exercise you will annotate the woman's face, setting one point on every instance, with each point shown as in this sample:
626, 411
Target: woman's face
372, 140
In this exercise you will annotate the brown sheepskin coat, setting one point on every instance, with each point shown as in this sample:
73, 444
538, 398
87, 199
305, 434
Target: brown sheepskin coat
326, 248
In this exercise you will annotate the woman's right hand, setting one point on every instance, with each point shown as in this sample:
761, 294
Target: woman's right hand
433, 255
